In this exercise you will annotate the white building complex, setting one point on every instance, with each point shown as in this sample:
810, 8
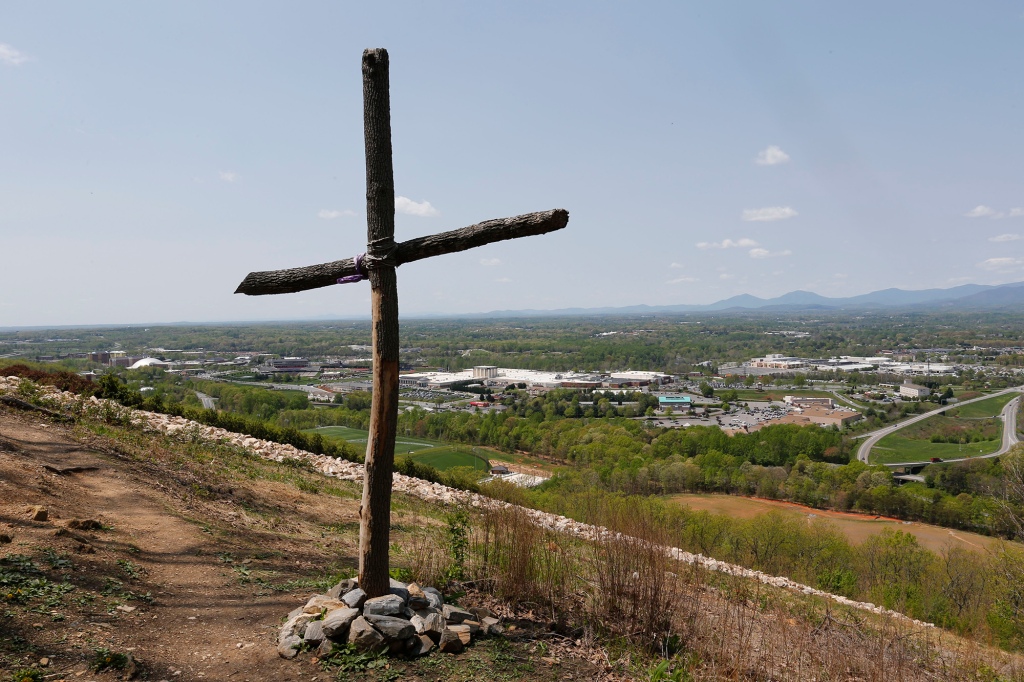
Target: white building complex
778, 361
490, 375
849, 363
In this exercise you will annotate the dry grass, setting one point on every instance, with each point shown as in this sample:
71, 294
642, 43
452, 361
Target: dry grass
710, 626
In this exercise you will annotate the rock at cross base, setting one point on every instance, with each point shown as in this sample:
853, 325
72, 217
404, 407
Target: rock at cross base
295, 626
342, 588
388, 605
354, 599
400, 589
433, 626
422, 646
417, 599
492, 626
464, 632
480, 612
435, 599
391, 627
364, 637
337, 623
314, 634
320, 602
453, 614
450, 642
289, 646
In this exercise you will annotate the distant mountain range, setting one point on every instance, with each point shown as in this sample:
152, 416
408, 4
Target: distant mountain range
967, 297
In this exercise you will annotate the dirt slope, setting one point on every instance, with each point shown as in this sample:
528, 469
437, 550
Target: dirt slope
201, 622
197, 559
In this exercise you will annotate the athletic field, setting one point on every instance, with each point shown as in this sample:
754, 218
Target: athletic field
441, 456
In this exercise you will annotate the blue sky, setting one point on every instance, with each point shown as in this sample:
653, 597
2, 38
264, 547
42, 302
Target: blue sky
151, 154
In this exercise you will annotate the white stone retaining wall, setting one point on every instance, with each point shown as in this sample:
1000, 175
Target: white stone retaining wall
425, 490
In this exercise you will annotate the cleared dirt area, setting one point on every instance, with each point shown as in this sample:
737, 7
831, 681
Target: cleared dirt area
857, 527
185, 557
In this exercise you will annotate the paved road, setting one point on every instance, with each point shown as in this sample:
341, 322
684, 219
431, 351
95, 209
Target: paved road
850, 403
208, 402
1009, 430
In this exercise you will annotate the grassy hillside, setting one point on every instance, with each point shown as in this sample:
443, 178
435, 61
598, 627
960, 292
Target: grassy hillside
218, 544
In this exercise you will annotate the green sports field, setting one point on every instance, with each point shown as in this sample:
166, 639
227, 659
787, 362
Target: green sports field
403, 445
439, 455
448, 458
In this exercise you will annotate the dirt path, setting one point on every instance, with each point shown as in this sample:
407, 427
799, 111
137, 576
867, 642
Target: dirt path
201, 624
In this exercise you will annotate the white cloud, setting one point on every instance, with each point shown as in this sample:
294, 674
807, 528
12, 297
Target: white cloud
331, 214
503, 279
769, 213
772, 156
11, 56
410, 207
680, 280
228, 176
490, 262
741, 243
765, 253
676, 265
982, 211
1017, 212
1005, 238
1002, 264
726, 275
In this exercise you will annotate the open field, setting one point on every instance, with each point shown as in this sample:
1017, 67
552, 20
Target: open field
913, 443
856, 527
403, 444
447, 458
983, 408
439, 455
894, 448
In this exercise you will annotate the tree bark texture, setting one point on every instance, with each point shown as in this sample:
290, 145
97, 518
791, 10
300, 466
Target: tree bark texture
375, 511
487, 232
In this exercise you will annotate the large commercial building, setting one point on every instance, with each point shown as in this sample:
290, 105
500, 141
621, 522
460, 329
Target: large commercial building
289, 364
778, 361
490, 375
909, 390
837, 417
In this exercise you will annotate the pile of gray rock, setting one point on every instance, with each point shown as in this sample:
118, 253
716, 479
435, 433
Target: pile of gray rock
410, 620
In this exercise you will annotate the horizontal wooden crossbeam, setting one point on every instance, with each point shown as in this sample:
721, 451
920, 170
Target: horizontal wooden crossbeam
326, 274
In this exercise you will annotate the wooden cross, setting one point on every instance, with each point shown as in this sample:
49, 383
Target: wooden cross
378, 265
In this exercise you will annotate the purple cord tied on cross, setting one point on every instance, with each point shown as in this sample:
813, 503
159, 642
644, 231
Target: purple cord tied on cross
360, 272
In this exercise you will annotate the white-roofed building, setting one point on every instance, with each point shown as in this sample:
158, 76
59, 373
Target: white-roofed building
150, 362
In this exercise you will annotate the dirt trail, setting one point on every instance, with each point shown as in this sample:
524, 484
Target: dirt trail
202, 624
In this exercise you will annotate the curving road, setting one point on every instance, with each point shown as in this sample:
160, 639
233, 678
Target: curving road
208, 402
1008, 415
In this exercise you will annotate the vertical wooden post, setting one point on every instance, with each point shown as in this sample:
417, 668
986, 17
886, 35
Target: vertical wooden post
375, 511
